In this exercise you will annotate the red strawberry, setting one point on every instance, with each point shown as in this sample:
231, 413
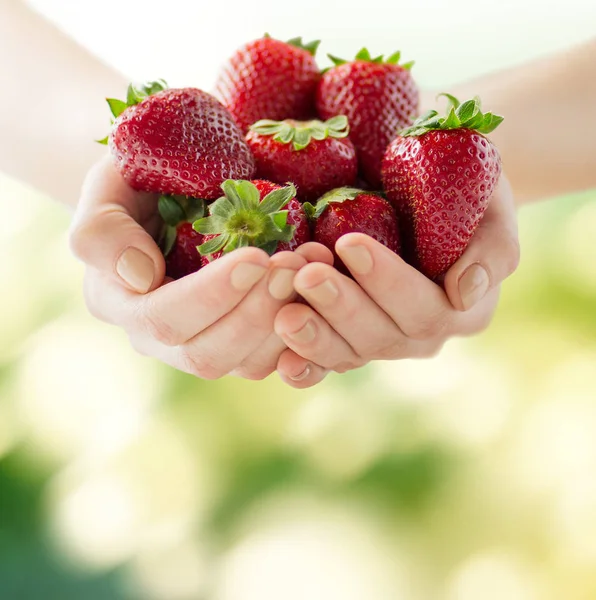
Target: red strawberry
179, 141
378, 97
440, 175
350, 210
250, 214
270, 79
179, 241
315, 156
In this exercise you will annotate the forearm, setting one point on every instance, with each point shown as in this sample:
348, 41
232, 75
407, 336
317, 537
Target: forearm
548, 138
53, 109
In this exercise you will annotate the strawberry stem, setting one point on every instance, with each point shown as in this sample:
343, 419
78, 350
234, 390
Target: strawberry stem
301, 133
239, 218
466, 115
364, 55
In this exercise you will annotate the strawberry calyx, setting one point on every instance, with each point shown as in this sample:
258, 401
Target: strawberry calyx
337, 195
297, 42
466, 115
301, 133
135, 94
175, 210
364, 55
240, 219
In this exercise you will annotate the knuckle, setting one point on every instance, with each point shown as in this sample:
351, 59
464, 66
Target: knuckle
155, 326
427, 329
198, 367
397, 349
344, 367
253, 373
78, 239
92, 297
512, 253
431, 350
138, 345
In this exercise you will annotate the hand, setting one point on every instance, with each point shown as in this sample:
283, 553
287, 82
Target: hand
392, 311
209, 324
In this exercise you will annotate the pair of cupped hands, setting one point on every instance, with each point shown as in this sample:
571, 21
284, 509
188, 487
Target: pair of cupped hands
240, 315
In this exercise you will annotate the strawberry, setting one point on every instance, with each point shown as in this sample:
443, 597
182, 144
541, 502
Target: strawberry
314, 156
250, 214
179, 241
440, 175
176, 141
350, 210
270, 79
378, 97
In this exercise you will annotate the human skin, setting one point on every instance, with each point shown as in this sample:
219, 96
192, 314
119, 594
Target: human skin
254, 331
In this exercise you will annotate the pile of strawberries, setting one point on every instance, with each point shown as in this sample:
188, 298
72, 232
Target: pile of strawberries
303, 155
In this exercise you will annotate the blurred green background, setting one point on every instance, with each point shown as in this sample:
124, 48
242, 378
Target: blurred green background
471, 476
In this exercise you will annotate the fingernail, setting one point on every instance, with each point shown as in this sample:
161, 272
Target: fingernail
473, 285
324, 294
245, 275
136, 269
305, 335
302, 376
281, 283
357, 259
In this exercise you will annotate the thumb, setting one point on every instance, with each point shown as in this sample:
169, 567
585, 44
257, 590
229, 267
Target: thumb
111, 230
493, 253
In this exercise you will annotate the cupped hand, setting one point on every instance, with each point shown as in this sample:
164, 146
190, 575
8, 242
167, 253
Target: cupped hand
214, 322
392, 311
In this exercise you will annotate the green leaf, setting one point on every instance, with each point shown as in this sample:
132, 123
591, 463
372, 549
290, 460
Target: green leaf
408, 66
170, 210
234, 242
452, 121
210, 225
213, 245
319, 133
491, 122
310, 210
337, 123
222, 208
363, 54
248, 193
311, 47
467, 110
474, 122
277, 199
117, 107
302, 138
167, 239
453, 101
267, 127
104, 141
286, 134
394, 58
195, 208
280, 219
231, 192
270, 247
336, 60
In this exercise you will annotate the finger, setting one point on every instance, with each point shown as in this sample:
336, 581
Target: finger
493, 253
261, 362
175, 313
229, 342
315, 252
299, 373
310, 336
106, 234
351, 312
418, 306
